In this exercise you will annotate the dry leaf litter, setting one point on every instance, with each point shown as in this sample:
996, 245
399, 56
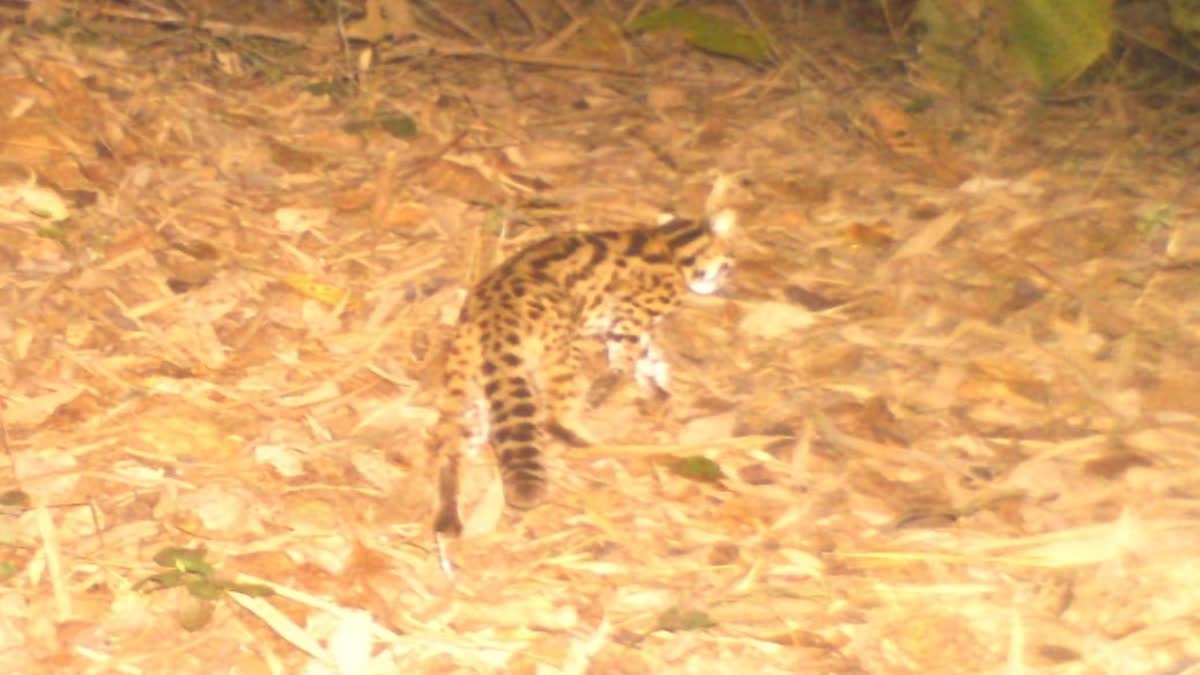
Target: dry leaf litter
952, 393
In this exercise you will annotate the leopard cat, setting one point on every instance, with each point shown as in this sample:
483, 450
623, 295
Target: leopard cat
514, 361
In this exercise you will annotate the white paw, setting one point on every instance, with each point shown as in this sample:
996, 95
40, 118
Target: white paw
652, 371
617, 354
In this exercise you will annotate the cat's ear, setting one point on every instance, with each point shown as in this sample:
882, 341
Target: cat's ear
723, 223
719, 196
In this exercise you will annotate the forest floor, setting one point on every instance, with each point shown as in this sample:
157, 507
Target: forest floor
953, 388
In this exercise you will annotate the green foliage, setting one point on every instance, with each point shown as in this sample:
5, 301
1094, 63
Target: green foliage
337, 88
188, 569
1047, 42
948, 36
1054, 41
400, 126
1185, 15
677, 619
697, 468
1157, 218
707, 32
1185, 18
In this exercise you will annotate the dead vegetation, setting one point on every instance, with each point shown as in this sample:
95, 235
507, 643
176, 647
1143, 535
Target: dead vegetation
952, 396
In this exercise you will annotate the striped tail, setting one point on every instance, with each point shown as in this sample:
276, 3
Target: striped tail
514, 433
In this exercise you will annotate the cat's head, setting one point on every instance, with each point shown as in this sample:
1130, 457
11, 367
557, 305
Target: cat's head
702, 250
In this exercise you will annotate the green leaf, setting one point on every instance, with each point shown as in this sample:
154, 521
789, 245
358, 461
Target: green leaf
205, 589
196, 614
676, 619
333, 88
696, 468
400, 126
1185, 16
947, 37
708, 32
53, 233
919, 105
184, 560
1054, 41
1156, 218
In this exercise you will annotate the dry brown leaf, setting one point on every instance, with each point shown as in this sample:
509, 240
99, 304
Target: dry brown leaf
773, 320
220, 510
548, 155
923, 148
665, 97
599, 39
382, 18
927, 239
893, 128
538, 612
707, 429
460, 181
49, 473
171, 437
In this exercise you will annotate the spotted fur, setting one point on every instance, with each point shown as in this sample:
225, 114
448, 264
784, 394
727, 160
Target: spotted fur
512, 369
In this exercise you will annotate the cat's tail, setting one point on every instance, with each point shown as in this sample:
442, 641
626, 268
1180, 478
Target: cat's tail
513, 415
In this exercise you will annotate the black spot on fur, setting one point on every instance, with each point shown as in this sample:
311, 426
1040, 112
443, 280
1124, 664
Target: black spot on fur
599, 252
524, 432
568, 249
685, 237
637, 242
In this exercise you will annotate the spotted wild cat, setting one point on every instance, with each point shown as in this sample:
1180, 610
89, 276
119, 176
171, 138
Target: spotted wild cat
514, 360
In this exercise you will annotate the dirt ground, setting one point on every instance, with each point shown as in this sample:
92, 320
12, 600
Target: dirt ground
944, 419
